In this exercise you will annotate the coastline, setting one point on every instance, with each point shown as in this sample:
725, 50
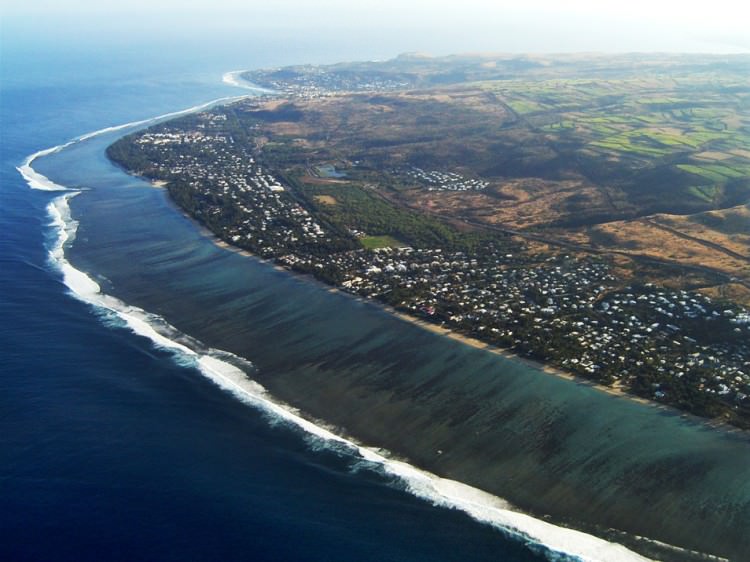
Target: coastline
234, 78
547, 369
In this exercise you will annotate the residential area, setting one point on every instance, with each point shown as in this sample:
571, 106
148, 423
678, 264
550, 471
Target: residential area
310, 82
231, 191
436, 180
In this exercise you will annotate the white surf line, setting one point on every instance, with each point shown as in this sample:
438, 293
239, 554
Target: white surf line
34, 179
556, 542
234, 78
158, 117
39, 181
86, 289
479, 505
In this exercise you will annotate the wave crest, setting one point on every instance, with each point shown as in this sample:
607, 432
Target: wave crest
234, 78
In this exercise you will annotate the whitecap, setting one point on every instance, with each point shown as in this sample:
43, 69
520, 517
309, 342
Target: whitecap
34, 179
234, 78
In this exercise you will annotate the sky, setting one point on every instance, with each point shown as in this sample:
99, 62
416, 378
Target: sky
387, 27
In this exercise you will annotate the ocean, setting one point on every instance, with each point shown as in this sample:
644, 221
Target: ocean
152, 385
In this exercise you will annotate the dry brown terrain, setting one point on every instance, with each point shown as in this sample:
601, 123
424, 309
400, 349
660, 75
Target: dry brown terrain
518, 204
681, 240
647, 170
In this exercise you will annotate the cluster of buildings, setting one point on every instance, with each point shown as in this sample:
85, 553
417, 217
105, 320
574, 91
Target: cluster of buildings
231, 191
566, 311
678, 338
169, 139
436, 180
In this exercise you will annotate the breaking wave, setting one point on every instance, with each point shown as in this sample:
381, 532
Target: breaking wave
234, 78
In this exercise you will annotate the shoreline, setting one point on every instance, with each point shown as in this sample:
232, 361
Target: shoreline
481, 499
464, 339
547, 369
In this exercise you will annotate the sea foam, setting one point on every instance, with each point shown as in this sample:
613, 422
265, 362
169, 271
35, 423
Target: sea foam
234, 78
230, 373
34, 179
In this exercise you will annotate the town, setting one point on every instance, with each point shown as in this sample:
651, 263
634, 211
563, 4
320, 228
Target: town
310, 82
568, 311
234, 190
435, 180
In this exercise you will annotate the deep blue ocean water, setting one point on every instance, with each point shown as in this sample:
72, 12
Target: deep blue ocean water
109, 449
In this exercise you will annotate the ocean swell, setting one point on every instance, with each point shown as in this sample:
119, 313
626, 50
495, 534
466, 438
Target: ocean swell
231, 373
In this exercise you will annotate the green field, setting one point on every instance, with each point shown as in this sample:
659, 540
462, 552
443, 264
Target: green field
705, 192
648, 124
713, 172
373, 242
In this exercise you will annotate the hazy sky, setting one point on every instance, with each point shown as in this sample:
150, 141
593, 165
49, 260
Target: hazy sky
387, 26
